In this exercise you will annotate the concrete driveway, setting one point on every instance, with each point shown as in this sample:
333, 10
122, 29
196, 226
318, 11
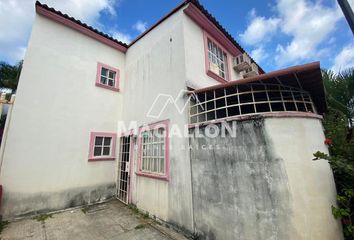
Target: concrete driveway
111, 220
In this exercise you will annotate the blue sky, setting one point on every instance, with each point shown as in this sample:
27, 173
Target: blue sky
277, 33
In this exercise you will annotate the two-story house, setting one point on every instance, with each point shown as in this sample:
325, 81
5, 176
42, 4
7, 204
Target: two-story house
65, 147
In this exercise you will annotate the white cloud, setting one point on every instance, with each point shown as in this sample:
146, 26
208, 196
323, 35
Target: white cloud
87, 11
140, 26
308, 24
260, 29
123, 37
16, 18
259, 54
344, 59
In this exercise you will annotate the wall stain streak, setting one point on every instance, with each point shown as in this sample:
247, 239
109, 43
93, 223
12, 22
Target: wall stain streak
25, 204
240, 187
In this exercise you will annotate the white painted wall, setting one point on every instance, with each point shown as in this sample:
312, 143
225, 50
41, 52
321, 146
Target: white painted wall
57, 106
156, 64
311, 183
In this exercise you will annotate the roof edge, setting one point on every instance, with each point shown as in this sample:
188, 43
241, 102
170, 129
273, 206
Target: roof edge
277, 73
59, 17
184, 3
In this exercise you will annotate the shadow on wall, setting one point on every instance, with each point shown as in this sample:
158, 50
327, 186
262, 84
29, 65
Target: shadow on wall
240, 188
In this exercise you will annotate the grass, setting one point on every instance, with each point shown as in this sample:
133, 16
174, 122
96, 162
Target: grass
140, 226
41, 218
3, 225
85, 209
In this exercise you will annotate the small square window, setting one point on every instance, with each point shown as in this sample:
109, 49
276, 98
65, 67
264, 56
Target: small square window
102, 146
107, 77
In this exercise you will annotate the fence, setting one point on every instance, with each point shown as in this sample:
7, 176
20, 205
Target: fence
5, 108
248, 99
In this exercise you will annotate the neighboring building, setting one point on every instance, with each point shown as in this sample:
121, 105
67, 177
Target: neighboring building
64, 149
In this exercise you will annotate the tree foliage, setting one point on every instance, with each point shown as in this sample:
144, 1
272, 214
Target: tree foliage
338, 124
9, 75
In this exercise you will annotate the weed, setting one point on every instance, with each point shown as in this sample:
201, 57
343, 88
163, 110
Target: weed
140, 226
3, 225
85, 209
41, 218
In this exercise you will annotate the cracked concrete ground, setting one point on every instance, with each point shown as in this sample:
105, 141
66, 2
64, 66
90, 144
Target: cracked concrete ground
111, 220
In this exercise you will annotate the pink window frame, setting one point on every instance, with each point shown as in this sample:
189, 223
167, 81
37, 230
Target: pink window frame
211, 74
98, 77
162, 124
93, 136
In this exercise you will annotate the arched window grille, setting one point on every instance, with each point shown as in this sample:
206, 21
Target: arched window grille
248, 99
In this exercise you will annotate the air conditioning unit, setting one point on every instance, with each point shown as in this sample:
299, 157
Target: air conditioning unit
241, 62
251, 71
214, 67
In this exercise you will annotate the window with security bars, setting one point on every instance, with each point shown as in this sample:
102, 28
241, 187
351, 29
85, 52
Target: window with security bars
153, 151
108, 77
217, 60
248, 99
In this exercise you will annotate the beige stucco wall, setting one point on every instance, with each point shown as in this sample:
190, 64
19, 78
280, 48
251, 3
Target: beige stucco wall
310, 183
57, 106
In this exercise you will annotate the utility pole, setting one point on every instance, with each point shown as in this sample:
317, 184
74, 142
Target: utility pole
348, 12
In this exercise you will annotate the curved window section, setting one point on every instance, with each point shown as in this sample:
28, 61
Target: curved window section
248, 99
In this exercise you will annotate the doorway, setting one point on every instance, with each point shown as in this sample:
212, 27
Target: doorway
125, 150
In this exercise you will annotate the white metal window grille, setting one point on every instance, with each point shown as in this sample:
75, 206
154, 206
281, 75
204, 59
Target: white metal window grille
248, 99
153, 151
218, 57
103, 146
108, 77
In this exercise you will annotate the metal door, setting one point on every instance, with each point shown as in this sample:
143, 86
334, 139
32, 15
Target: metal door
124, 168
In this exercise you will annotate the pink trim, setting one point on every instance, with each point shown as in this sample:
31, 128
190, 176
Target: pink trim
161, 124
195, 14
93, 136
211, 74
68, 23
265, 76
260, 115
98, 77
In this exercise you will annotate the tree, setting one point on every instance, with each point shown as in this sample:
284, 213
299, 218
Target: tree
338, 124
9, 76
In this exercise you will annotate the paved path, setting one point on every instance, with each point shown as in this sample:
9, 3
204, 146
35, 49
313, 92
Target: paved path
111, 220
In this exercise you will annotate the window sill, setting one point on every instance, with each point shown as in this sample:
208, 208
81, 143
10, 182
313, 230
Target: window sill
216, 77
151, 175
95, 159
107, 87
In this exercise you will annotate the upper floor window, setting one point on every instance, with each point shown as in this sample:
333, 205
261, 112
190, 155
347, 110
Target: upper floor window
102, 146
217, 60
107, 77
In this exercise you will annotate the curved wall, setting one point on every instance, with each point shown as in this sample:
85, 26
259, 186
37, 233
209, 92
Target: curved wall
263, 183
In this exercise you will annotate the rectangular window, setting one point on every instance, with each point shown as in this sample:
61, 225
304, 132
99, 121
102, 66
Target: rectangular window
153, 147
107, 77
102, 146
217, 60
